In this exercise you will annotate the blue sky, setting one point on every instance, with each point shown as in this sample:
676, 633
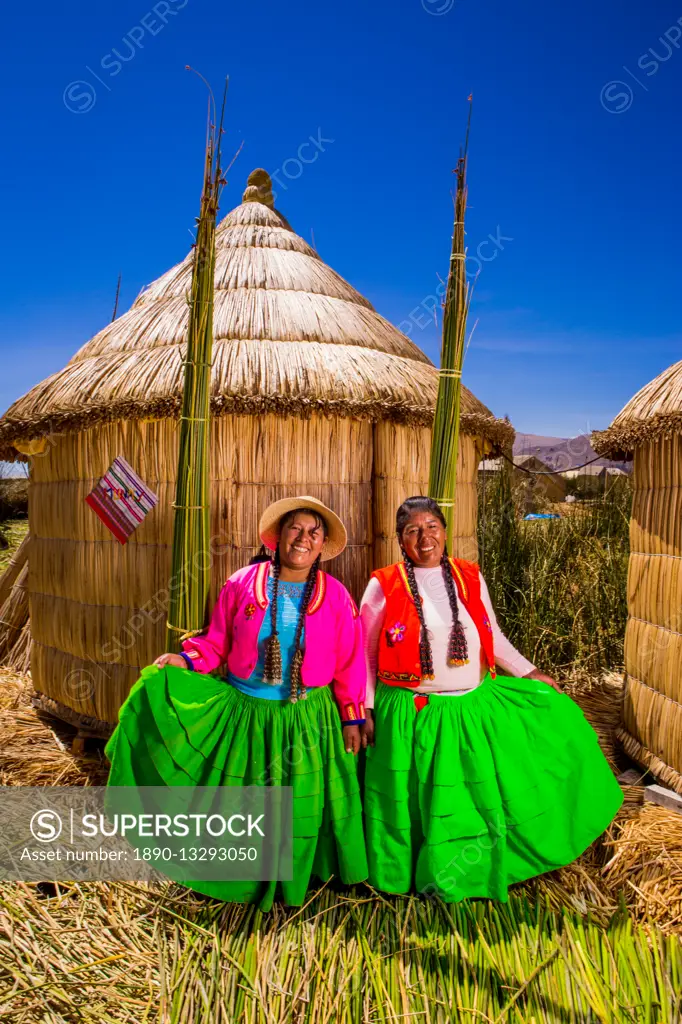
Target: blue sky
573, 186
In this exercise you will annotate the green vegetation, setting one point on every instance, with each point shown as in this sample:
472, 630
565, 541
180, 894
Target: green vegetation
14, 531
559, 586
13, 498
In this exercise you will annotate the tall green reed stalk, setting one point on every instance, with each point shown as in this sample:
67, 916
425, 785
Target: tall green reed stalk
190, 572
559, 587
445, 436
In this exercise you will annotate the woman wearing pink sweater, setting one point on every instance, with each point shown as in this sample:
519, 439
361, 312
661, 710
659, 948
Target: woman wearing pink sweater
287, 641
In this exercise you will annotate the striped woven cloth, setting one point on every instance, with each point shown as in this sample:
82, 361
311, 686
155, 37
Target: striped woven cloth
121, 500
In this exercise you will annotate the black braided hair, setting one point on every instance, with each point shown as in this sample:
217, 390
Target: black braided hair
458, 652
457, 646
298, 691
272, 670
425, 653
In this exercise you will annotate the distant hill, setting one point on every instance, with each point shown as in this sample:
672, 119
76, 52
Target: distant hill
562, 453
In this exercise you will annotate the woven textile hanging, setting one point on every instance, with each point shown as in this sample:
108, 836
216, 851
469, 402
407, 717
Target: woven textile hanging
121, 500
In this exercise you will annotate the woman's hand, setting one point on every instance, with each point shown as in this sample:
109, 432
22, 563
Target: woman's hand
351, 737
170, 659
367, 730
541, 677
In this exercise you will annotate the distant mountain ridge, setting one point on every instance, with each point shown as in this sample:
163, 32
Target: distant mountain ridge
562, 453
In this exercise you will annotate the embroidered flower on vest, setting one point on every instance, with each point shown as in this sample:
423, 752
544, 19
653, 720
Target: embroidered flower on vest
395, 635
250, 611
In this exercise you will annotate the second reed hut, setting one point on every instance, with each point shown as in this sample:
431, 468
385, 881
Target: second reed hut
312, 392
650, 426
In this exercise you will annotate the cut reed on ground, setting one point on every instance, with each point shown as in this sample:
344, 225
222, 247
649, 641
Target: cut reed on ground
128, 953
580, 944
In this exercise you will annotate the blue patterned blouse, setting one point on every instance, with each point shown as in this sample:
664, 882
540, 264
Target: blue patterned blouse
289, 600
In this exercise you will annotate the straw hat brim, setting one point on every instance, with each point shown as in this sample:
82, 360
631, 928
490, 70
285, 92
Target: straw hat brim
269, 530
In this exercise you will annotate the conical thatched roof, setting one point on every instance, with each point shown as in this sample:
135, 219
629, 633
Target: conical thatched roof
653, 413
291, 336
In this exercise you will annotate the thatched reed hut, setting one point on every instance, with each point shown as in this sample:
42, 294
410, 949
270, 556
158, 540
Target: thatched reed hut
650, 426
312, 392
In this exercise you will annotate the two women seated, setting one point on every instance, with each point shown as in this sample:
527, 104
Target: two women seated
474, 778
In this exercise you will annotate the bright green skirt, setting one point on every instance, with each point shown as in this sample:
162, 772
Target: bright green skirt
180, 728
479, 791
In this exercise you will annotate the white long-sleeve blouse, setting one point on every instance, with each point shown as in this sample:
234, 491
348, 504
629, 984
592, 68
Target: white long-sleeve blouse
449, 679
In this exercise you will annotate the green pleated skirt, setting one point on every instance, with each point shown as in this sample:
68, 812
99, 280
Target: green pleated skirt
181, 728
476, 792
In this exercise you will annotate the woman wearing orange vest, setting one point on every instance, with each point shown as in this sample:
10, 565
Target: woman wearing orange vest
474, 780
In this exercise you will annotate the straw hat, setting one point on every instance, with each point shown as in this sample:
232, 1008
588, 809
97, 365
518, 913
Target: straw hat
268, 528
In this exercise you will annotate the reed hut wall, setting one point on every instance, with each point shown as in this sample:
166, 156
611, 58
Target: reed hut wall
651, 721
652, 706
98, 608
401, 468
311, 392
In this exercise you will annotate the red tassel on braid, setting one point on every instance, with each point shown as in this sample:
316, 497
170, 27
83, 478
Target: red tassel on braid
458, 652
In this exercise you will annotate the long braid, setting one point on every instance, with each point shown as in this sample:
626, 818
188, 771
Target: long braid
425, 653
458, 652
297, 688
272, 669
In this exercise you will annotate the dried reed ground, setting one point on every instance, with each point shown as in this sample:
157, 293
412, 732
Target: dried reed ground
128, 952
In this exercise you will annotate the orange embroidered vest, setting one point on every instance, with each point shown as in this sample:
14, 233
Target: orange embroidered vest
398, 657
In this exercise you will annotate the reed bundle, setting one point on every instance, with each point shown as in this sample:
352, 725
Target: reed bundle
34, 748
646, 865
17, 560
446, 424
13, 614
190, 565
600, 699
15, 631
19, 658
